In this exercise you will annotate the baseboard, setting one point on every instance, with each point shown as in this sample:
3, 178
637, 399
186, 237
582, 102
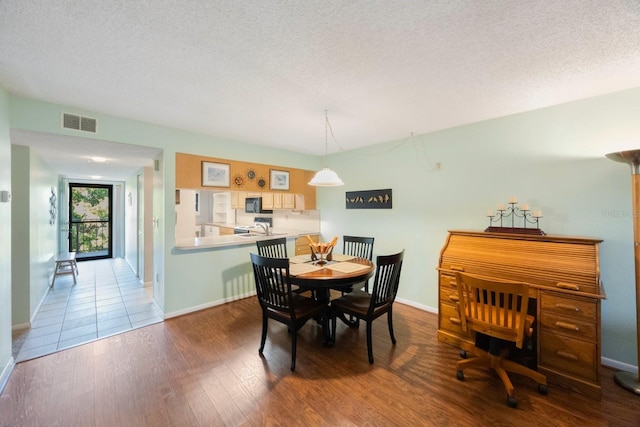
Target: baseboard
147, 284
618, 365
6, 373
418, 306
208, 305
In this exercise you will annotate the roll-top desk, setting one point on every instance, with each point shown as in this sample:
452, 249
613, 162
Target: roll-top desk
564, 274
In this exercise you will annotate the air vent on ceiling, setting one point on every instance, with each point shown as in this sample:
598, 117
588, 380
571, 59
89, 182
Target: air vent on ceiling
72, 121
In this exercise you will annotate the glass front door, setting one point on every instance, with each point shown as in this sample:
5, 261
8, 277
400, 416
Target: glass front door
90, 221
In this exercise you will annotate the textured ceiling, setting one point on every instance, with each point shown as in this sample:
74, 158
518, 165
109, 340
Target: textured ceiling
264, 72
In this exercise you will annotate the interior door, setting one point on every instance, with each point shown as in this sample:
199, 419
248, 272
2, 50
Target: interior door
91, 220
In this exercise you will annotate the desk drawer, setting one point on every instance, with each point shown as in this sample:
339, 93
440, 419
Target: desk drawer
569, 355
450, 320
574, 327
573, 307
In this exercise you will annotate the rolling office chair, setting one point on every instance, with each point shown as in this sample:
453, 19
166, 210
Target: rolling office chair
498, 309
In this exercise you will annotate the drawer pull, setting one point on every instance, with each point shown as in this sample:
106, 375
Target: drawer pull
567, 307
566, 355
568, 326
454, 298
456, 268
455, 321
453, 283
569, 286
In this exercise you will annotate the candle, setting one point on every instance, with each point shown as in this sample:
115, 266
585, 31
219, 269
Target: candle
524, 207
500, 207
489, 212
513, 200
537, 213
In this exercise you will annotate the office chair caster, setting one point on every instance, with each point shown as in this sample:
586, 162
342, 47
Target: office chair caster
542, 389
463, 354
460, 375
512, 402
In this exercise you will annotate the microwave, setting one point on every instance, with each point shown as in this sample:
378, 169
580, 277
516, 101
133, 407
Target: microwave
254, 205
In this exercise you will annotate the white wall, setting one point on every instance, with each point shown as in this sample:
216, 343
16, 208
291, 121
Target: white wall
552, 159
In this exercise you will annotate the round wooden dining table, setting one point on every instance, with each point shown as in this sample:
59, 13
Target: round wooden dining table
323, 280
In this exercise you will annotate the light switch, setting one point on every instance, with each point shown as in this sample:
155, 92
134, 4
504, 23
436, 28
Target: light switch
5, 196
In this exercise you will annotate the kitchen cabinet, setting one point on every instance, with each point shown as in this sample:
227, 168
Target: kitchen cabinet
225, 230
289, 201
267, 201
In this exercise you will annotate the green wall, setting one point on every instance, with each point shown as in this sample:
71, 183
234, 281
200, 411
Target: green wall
6, 360
552, 159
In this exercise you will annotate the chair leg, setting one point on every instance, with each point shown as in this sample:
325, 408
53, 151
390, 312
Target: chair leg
294, 335
390, 321
369, 343
264, 333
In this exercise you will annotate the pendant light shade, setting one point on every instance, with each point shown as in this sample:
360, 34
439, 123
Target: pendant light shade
326, 177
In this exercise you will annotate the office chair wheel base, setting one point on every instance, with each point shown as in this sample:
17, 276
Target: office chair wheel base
542, 389
512, 402
460, 375
463, 354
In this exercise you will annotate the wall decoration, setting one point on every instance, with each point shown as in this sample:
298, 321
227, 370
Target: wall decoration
261, 182
251, 174
369, 199
238, 180
279, 180
52, 207
215, 174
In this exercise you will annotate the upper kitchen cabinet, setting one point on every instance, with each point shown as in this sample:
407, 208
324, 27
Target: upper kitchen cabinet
248, 178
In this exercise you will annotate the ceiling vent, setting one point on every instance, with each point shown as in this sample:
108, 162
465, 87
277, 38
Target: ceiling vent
86, 124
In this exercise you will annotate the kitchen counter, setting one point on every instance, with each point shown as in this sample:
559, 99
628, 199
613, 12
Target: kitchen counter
236, 239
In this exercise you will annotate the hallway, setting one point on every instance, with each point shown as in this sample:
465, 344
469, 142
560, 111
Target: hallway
108, 299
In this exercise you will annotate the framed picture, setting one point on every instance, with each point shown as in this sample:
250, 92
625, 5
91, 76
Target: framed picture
215, 174
279, 180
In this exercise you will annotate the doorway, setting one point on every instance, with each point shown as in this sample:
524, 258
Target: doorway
91, 221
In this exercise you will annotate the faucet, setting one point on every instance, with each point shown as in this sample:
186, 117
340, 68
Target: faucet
264, 226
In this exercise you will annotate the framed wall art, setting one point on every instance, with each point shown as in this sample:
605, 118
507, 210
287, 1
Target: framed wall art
279, 180
215, 174
370, 199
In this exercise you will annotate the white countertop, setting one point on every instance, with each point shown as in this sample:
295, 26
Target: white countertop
235, 239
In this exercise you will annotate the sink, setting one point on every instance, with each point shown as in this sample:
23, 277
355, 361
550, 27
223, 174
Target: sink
249, 235
277, 234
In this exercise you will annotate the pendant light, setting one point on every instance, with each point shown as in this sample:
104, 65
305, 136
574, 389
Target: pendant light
326, 177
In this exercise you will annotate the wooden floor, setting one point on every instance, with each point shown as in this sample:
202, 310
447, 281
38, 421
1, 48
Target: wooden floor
203, 369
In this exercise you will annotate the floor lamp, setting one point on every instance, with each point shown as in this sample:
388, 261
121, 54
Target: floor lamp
629, 380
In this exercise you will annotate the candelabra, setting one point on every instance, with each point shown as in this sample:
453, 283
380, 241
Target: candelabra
511, 212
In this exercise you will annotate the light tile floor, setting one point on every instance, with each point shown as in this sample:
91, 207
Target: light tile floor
108, 299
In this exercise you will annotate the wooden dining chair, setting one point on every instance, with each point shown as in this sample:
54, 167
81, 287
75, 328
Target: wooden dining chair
368, 307
273, 248
361, 247
278, 302
498, 309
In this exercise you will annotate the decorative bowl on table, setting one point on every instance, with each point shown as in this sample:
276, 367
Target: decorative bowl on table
321, 252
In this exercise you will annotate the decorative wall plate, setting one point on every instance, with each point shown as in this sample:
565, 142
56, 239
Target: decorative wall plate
238, 180
262, 183
251, 174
